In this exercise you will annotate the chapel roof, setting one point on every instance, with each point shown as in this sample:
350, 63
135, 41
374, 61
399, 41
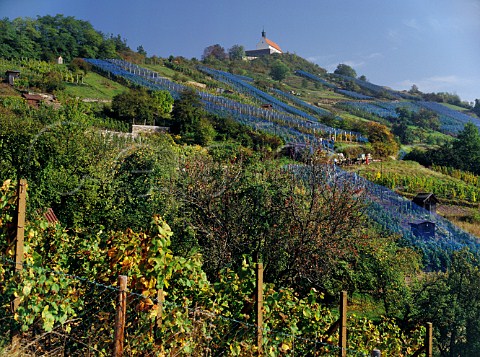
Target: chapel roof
273, 44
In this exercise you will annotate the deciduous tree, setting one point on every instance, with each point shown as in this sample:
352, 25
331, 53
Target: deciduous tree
345, 70
303, 223
476, 108
236, 52
138, 106
190, 120
216, 51
467, 148
279, 70
451, 301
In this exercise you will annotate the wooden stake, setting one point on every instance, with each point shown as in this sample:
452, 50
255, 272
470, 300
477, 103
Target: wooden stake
19, 247
429, 340
259, 308
121, 311
19, 239
342, 339
160, 301
20, 234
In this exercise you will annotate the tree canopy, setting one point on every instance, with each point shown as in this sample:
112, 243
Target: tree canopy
190, 121
236, 52
279, 70
139, 106
476, 108
216, 51
48, 37
463, 153
345, 70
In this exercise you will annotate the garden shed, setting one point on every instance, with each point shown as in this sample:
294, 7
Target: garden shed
11, 76
423, 229
426, 200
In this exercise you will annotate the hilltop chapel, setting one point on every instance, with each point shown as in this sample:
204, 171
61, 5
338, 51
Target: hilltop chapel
265, 47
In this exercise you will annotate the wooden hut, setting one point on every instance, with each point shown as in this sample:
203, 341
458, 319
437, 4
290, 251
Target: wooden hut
423, 229
11, 76
427, 201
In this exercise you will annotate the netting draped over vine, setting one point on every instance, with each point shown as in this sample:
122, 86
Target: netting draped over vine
294, 128
396, 214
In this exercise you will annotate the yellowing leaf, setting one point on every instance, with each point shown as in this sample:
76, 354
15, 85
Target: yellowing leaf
284, 347
27, 289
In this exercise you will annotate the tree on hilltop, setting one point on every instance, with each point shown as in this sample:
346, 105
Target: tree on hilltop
476, 108
47, 37
345, 70
216, 51
236, 52
141, 51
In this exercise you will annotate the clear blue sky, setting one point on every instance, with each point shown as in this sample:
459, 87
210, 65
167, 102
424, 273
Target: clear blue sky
434, 44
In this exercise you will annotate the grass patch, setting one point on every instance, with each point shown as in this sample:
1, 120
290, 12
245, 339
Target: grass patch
455, 107
364, 305
95, 86
6, 90
161, 70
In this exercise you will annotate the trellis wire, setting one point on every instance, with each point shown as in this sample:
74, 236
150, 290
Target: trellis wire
89, 327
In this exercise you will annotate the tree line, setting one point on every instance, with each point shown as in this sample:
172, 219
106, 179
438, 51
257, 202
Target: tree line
462, 153
48, 37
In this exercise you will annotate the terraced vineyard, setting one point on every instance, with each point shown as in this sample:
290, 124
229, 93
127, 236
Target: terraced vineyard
390, 210
299, 128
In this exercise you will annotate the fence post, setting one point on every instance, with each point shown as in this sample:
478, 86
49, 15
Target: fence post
429, 340
259, 308
342, 338
20, 233
120, 312
159, 318
19, 245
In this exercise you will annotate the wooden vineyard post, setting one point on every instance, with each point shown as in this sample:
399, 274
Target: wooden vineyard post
428, 343
19, 245
20, 232
429, 340
159, 318
342, 338
120, 314
259, 308
160, 301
